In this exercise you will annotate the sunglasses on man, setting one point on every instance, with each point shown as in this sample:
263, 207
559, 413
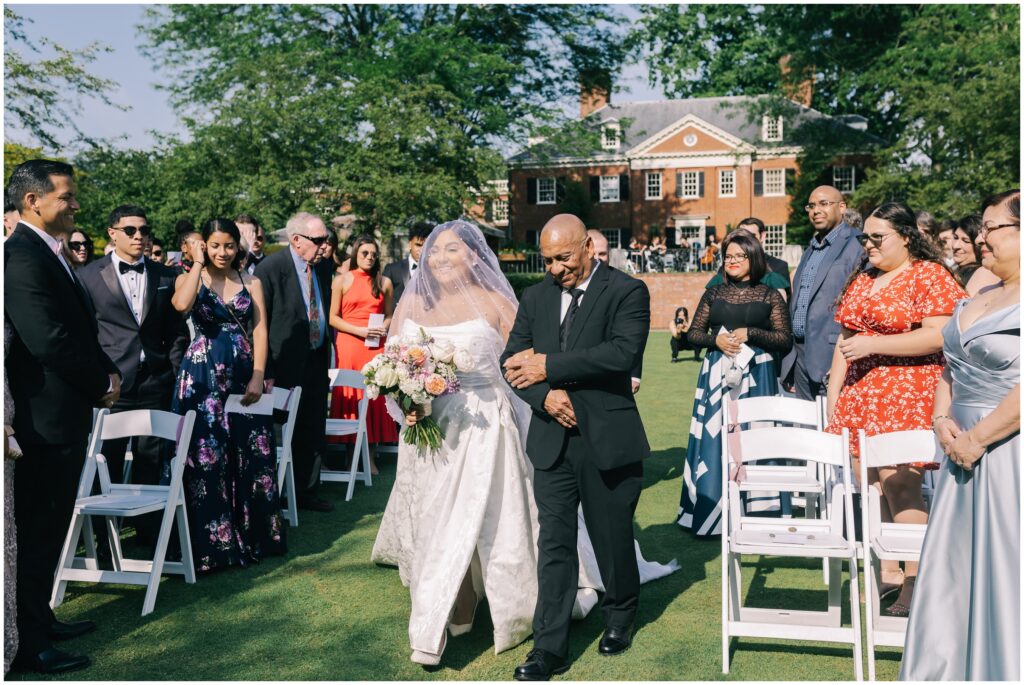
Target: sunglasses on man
318, 240
144, 231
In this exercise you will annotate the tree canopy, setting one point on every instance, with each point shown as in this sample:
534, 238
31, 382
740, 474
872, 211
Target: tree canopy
939, 84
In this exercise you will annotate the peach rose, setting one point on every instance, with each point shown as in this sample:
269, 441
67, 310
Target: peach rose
435, 384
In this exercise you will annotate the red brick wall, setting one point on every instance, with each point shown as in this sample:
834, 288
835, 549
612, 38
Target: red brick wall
669, 291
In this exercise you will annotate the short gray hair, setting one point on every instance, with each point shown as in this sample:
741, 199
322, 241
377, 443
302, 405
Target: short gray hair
300, 222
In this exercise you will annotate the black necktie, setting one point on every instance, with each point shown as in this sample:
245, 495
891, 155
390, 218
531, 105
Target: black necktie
138, 268
574, 306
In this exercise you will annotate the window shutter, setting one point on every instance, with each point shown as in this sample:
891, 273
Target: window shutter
858, 176
595, 188
679, 184
700, 184
758, 183
790, 181
559, 189
623, 187
531, 191
489, 211
625, 235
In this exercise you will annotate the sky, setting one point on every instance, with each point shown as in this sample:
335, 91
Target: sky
75, 26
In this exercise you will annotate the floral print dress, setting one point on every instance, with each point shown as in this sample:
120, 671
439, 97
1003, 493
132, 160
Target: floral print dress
880, 393
234, 511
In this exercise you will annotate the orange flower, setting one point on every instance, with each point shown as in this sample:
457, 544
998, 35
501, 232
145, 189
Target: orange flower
435, 384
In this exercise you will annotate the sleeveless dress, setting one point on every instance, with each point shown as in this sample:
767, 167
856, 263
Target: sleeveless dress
471, 506
350, 352
761, 309
965, 615
234, 509
880, 393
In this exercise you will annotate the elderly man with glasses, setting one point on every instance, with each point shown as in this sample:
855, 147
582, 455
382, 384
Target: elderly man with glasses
297, 290
831, 256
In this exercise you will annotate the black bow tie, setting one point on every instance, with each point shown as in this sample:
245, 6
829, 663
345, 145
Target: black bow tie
139, 268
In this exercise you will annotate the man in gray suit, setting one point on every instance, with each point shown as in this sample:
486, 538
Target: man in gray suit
826, 264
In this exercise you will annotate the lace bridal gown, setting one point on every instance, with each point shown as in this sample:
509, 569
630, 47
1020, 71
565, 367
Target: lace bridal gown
471, 506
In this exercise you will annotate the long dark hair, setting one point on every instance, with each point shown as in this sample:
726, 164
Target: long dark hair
751, 247
904, 221
971, 225
376, 281
222, 225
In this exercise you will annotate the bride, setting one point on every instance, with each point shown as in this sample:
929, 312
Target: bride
461, 524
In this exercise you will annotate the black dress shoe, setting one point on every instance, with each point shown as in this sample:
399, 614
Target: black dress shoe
51, 661
311, 503
615, 640
66, 631
540, 665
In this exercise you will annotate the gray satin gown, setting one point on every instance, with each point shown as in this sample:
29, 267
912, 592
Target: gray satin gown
965, 615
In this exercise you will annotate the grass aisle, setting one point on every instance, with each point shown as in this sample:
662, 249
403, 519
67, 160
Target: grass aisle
325, 612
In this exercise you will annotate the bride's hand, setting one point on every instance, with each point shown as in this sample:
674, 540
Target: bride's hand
414, 415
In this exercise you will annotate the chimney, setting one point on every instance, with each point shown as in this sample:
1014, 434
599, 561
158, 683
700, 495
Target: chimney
802, 92
592, 99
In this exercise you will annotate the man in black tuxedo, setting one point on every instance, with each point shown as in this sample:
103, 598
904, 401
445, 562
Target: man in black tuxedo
57, 373
297, 291
401, 272
145, 336
570, 356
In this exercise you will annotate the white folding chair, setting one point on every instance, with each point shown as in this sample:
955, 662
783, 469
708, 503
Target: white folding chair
821, 538
287, 401
360, 468
117, 501
887, 541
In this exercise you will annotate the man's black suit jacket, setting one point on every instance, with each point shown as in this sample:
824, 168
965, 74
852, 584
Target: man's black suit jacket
163, 335
287, 311
607, 337
399, 273
55, 366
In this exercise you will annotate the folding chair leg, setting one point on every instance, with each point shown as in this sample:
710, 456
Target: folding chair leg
835, 590
725, 605
366, 461
353, 473
871, 601
185, 543
858, 665
158, 562
67, 557
90, 544
114, 540
293, 508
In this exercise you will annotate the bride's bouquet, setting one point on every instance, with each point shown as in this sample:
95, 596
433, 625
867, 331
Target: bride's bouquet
414, 371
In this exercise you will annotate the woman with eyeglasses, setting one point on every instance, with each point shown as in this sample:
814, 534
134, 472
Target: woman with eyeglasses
733, 319
965, 623
78, 250
888, 360
363, 291
231, 492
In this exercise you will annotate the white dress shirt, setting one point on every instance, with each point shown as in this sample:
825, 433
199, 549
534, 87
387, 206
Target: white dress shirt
133, 286
412, 265
53, 243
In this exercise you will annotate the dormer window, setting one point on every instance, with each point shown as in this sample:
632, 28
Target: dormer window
610, 137
771, 129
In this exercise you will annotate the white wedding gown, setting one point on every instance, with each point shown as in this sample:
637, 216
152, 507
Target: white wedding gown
471, 505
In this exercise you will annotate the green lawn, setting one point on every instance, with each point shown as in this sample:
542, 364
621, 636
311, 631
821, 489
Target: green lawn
324, 612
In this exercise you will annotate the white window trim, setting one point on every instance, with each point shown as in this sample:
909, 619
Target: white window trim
648, 177
602, 188
613, 236
771, 245
494, 211
781, 172
696, 185
721, 175
609, 128
841, 184
554, 191
500, 186
765, 120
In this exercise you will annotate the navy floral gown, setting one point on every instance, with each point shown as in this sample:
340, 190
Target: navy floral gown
234, 510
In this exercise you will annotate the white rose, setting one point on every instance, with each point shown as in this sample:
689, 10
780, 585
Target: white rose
372, 392
386, 376
463, 359
402, 372
442, 351
409, 387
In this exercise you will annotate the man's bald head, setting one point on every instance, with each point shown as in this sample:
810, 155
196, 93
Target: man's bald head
826, 208
600, 244
567, 250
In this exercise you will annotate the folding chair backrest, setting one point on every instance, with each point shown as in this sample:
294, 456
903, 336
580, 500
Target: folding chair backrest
142, 422
346, 378
282, 398
789, 410
786, 442
287, 400
900, 447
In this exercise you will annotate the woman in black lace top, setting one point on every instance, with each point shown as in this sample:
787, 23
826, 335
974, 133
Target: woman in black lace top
752, 314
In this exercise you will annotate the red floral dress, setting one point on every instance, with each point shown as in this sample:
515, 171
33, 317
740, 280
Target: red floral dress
881, 393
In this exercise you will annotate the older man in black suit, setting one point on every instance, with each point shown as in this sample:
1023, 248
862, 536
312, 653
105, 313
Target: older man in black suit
57, 373
570, 356
297, 292
143, 333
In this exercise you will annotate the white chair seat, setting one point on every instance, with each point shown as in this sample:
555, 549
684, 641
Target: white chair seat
339, 427
120, 505
901, 547
780, 478
784, 543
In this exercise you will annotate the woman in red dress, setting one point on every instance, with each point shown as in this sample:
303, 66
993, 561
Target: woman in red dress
888, 360
355, 295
